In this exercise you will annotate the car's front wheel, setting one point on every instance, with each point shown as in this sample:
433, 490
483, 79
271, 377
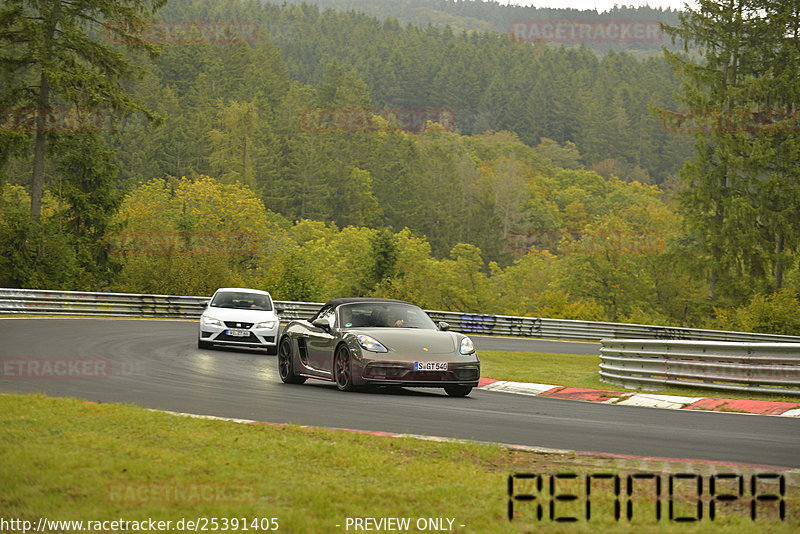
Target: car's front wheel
286, 363
458, 391
203, 344
342, 370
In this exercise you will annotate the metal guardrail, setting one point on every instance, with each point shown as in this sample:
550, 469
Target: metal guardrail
91, 304
39, 302
540, 327
42, 302
751, 367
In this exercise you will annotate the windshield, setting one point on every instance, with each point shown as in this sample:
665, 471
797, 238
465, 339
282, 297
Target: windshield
242, 301
384, 315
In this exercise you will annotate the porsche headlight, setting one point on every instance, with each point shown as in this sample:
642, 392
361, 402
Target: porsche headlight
370, 344
266, 324
211, 321
466, 346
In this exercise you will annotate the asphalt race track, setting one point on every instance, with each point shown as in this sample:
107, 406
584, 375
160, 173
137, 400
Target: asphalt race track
157, 364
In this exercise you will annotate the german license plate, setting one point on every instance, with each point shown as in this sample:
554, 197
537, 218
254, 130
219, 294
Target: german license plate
430, 366
237, 332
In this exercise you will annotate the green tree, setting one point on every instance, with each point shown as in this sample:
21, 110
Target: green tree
463, 282
510, 195
384, 260
778, 313
52, 54
414, 277
232, 147
90, 199
566, 157
599, 266
34, 254
190, 236
742, 194
522, 284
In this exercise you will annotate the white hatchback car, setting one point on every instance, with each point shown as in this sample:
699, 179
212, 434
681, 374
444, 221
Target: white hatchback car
239, 317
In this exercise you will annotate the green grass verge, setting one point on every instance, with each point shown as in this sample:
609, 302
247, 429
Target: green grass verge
67, 459
583, 371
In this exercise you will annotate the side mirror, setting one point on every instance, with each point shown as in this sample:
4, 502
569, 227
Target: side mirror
319, 322
206, 303
278, 310
443, 326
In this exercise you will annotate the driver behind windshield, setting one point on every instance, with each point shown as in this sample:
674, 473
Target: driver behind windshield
395, 318
260, 302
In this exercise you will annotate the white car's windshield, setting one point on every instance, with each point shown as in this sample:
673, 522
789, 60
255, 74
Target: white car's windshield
242, 301
384, 315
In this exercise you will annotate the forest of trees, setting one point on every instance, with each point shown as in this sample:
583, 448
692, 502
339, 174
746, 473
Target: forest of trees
490, 15
553, 187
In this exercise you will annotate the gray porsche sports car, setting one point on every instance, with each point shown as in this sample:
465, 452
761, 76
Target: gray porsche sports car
361, 341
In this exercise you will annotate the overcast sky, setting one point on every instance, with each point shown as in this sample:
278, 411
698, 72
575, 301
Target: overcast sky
599, 5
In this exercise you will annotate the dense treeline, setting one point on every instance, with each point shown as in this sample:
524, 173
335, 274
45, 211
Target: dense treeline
491, 83
488, 15
236, 112
544, 196
602, 104
190, 236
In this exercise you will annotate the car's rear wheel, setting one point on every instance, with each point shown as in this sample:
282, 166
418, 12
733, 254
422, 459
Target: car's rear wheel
342, 369
458, 391
203, 344
286, 363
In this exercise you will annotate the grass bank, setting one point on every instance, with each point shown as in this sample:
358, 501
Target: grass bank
67, 459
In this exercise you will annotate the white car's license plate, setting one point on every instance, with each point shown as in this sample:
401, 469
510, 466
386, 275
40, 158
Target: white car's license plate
237, 332
430, 366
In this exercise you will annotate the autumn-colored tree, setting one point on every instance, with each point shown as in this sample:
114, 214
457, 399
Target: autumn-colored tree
191, 236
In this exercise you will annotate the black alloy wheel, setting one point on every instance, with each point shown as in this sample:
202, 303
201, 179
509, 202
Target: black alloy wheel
342, 369
286, 363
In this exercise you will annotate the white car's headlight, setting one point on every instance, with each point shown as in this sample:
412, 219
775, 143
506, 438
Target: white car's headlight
466, 346
370, 343
211, 321
266, 324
